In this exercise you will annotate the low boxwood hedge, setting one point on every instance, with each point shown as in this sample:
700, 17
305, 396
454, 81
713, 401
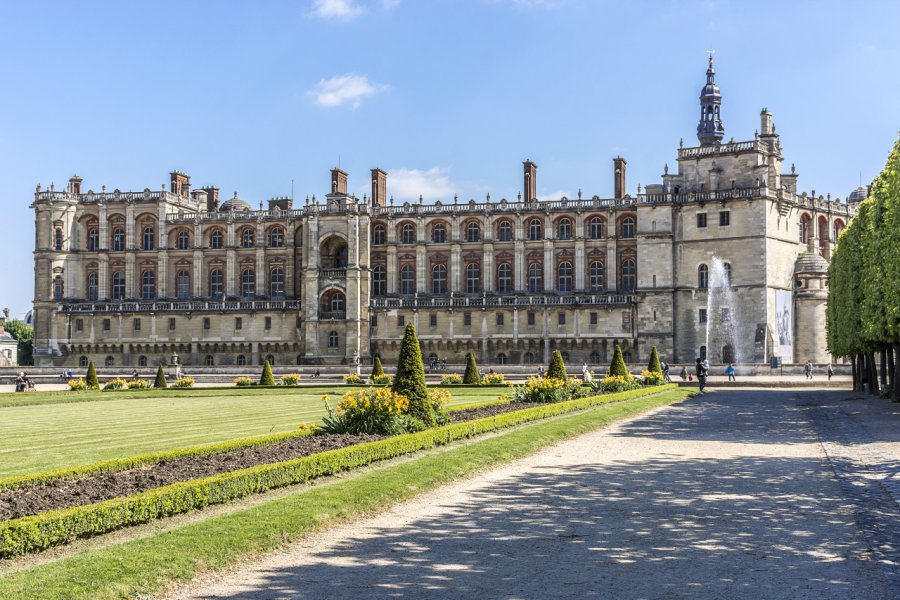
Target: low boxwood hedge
39, 532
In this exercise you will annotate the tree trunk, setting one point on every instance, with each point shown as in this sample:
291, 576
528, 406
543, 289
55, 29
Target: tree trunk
854, 370
895, 377
883, 373
873, 371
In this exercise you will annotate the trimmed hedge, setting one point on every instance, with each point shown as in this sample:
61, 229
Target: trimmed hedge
39, 532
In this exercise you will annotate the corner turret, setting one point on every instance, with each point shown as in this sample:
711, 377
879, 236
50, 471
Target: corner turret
710, 130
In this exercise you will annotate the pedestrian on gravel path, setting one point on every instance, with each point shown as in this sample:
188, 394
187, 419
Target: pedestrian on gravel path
830, 372
701, 371
730, 372
808, 370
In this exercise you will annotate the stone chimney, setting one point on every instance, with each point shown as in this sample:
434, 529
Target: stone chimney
180, 184
338, 181
75, 184
379, 187
529, 185
766, 126
619, 176
3, 320
212, 198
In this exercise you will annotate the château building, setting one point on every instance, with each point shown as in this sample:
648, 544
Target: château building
129, 278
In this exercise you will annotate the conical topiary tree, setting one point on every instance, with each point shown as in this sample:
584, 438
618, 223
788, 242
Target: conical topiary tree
266, 378
557, 369
410, 378
654, 366
471, 376
160, 381
617, 367
377, 369
91, 377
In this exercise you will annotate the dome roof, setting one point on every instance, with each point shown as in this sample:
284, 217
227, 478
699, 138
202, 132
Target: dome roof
859, 194
810, 262
235, 204
710, 89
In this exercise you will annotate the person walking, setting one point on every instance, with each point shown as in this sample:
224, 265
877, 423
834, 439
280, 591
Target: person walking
830, 372
541, 371
684, 374
730, 372
808, 370
665, 368
701, 371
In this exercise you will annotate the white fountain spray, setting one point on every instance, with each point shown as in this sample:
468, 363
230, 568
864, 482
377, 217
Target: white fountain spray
722, 317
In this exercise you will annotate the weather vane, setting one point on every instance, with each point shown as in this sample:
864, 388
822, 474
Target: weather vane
710, 52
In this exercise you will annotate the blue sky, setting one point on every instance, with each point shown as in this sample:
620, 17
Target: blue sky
448, 96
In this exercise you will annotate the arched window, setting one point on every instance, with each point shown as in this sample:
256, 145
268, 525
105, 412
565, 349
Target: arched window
118, 286
379, 235
629, 276
148, 285
565, 229
504, 231
473, 278
805, 228
270, 359
247, 238
183, 285
333, 339
248, 283
210, 360
535, 278
727, 269
149, 238
432, 359
439, 233
216, 240
473, 232
182, 241
703, 277
596, 228
93, 286
338, 302
118, 240
276, 237
93, 239
504, 278
216, 284
109, 361
565, 356
241, 360
594, 358
596, 276
628, 227
535, 230
58, 287
627, 357
408, 234
142, 361
501, 358
838, 228
528, 359
565, 277
57, 239
407, 280
82, 361
379, 281
439, 279
276, 283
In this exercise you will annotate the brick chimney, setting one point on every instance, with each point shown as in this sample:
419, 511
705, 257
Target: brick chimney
619, 176
379, 187
212, 198
180, 184
529, 186
338, 181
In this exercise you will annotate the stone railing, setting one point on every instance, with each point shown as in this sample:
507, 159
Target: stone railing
180, 306
332, 315
499, 301
718, 195
719, 149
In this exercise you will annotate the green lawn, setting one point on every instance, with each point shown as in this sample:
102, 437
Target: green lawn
53, 431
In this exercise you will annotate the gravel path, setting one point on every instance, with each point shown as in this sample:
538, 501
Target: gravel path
735, 494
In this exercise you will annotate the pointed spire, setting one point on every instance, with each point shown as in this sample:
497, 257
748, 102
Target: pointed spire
710, 130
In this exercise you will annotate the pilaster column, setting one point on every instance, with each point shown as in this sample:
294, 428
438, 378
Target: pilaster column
611, 267
549, 267
579, 265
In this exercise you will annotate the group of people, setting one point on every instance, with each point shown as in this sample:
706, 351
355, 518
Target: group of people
23, 383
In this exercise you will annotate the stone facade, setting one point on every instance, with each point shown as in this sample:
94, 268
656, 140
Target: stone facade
128, 278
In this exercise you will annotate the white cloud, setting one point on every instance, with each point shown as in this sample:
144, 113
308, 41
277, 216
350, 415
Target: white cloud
336, 9
344, 89
433, 184
555, 195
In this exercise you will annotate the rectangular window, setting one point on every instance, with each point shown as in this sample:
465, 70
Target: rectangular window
268, 323
105, 324
726, 314
594, 318
373, 321
701, 220
171, 324
298, 322
432, 320
702, 316
238, 322
561, 318
467, 319
500, 319
724, 218
531, 319
401, 321
137, 324
205, 322
79, 325
626, 319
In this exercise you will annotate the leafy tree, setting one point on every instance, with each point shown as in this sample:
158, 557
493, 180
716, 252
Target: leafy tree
557, 369
410, 378
91, 377
471, 376
377, 369
160, 381
267, 378
24, 334
654, 366
617, 366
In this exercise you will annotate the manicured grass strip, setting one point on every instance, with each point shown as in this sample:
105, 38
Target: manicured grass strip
39, 532
142, 567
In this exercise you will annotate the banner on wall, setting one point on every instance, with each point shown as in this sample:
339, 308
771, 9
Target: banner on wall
784, 316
